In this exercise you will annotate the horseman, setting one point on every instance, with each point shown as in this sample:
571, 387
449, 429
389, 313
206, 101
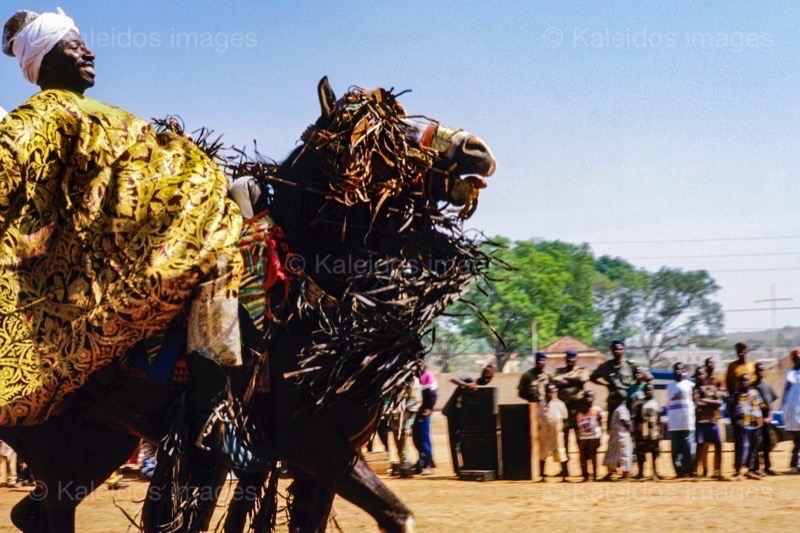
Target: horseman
112, 236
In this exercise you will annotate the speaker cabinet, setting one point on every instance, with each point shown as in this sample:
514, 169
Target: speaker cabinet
516, 445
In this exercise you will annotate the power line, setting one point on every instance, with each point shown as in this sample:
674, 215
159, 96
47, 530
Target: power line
753, 269
772, 254
719, 239
759, 309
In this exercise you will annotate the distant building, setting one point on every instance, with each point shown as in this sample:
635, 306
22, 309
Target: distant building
589, 357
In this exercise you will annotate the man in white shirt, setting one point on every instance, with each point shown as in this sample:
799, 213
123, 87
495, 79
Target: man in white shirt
791, 408
681, 424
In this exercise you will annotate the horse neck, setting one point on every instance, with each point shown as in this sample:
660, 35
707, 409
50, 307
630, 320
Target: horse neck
327, 252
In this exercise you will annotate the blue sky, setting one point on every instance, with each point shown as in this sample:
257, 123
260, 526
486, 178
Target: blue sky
616, 121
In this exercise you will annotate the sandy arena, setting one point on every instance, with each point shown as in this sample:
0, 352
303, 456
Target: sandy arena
443, 503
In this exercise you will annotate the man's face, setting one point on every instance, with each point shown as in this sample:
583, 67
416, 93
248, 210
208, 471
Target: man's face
679, 371
619, 352
540, 362
486, 376
710, 366
701, 375
741, 353
589, 398
639, 375
571, 359
69, 65
759, 371
551, 392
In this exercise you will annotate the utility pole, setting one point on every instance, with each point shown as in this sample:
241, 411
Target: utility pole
774, 312
534, 339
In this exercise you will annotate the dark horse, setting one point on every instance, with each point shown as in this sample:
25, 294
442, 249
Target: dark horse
370, 207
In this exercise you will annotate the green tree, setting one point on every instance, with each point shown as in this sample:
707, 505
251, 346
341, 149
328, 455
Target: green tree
550, 283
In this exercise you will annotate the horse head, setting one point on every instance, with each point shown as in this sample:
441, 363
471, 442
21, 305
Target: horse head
371, 139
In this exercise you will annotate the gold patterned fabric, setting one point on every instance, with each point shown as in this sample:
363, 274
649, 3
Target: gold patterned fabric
106, 230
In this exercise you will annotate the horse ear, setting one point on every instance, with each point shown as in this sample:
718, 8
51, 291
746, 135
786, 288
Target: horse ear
327, 99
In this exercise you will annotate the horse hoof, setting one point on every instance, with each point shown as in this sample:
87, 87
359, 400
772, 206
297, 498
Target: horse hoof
409, 526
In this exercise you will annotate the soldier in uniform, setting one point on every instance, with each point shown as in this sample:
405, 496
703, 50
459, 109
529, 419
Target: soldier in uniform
617, 374
532, 383
570, 380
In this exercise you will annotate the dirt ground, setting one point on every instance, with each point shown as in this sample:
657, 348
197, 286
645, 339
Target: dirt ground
441, 502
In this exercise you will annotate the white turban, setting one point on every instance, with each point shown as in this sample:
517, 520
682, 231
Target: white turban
2, 113
34, 40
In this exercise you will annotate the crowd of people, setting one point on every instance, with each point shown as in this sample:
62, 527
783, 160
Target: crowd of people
693, 409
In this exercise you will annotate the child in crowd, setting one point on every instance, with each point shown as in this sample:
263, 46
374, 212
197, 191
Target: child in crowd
589, 420
620, 446
749, 410
708, 400
552, 413
648, 430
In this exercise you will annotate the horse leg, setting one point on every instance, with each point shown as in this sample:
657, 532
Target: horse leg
29, 514
99, 452
87, 454
311, 504
344, 472
243, 501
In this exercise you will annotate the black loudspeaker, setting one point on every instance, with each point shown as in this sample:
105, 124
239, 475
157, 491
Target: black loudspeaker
479, 437
479, 451
479, 410
516, 444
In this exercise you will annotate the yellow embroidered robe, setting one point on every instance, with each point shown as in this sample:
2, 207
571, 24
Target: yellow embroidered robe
107, 231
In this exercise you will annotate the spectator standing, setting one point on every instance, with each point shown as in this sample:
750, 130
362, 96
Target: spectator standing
454, 412
619, 454
402, 422
707, 400
749, 418
24, 474
635, 392
551, 416
532, 383
738, 367
647, 421
147, 459
791, 409
681, 422
617, 374
769, 396
422, 422
570, 380
589, 420
8, 465
711, 367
